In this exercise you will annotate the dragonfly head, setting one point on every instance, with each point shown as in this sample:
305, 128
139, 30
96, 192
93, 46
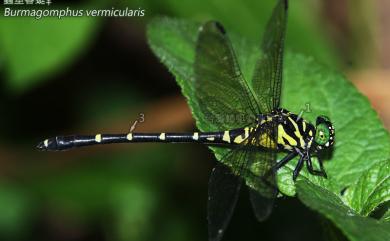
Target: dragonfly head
324, 137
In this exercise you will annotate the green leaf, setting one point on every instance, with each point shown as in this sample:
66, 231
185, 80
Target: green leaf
371, 190
354, 226
330, 231
33, 49
361, 140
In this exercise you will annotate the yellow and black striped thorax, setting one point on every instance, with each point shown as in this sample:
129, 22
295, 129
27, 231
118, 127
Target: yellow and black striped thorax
292, 130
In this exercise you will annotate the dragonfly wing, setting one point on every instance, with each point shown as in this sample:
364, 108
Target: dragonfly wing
267, 78
224, 189
227, 102
261, 205
249, 163
263, 189
223, 95
267, 83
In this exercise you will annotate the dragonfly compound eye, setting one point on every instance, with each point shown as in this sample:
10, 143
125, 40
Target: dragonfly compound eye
324, 132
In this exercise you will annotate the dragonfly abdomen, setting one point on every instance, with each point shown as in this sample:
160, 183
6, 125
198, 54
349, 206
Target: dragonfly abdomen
60, 143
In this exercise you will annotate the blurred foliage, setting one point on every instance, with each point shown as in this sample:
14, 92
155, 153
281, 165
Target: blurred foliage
33, 49
362, 44
16, 207
54, 44
126, 192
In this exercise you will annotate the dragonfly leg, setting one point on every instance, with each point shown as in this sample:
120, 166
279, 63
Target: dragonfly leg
322, 167
311, 169
284, 161
280, 163
298, 168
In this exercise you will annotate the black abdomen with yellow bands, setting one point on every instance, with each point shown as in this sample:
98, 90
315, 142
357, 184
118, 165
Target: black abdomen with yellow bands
216, 138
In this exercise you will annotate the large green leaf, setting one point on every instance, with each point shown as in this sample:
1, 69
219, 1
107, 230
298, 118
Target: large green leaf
359, 160
354, 226
361, 140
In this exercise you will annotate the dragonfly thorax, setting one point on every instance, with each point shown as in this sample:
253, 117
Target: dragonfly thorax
292, 130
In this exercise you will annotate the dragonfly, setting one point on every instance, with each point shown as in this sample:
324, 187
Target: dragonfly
265, 130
